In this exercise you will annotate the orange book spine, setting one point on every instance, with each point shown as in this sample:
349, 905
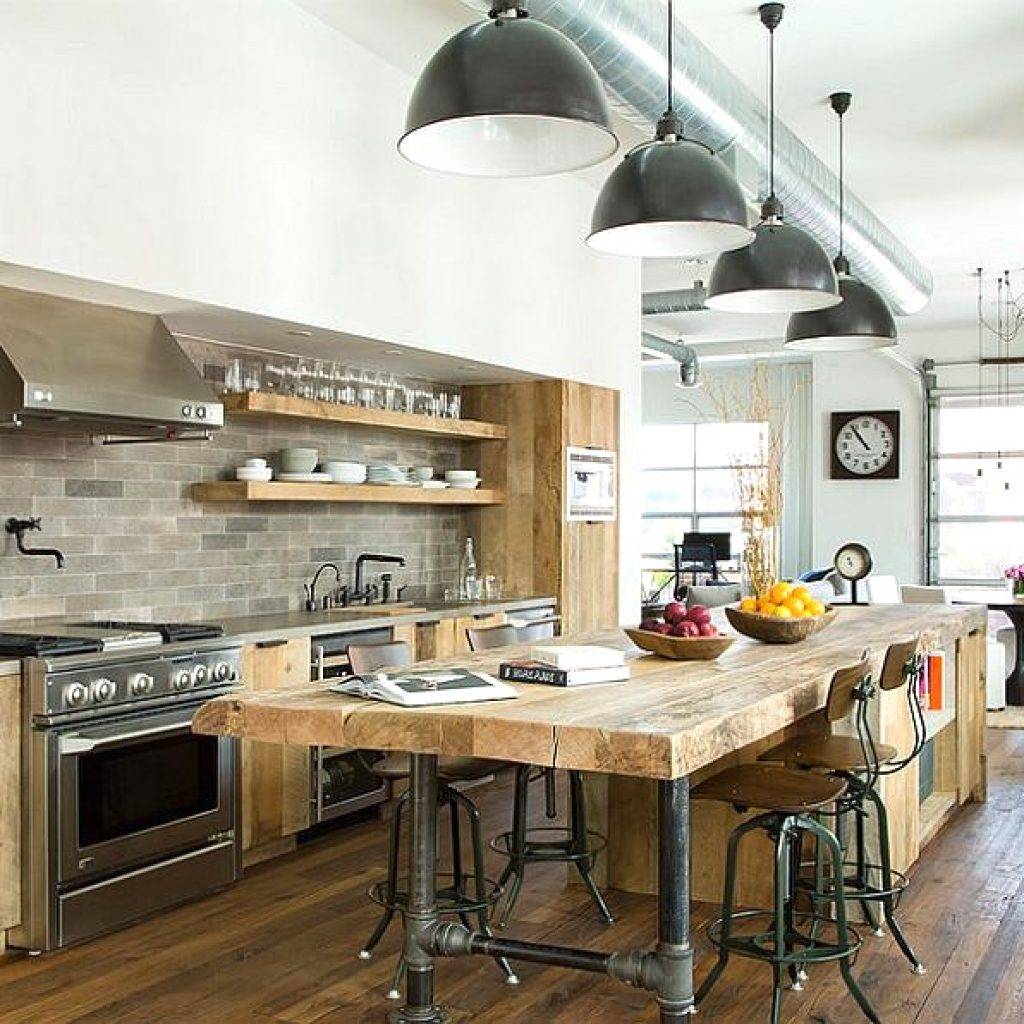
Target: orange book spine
936, 663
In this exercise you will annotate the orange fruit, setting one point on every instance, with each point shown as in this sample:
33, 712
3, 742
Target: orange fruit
748, 604
782, 612
767, 608
779, 592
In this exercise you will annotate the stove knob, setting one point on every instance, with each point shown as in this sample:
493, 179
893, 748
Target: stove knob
102, 690
222, 672
141, 684
183, 679
75, 695
201, 675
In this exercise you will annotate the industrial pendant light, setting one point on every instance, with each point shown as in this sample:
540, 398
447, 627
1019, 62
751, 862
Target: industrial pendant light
508, 97
671, 197
862, 321
784, 270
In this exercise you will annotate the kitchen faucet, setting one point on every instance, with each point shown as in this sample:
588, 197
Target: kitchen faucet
366, 594
310, 588
19, 527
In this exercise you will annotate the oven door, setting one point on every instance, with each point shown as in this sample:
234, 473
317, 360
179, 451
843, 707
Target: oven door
138, 789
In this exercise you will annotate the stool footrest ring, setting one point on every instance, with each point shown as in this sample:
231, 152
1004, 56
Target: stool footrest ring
802, 948
537, 848
452, 898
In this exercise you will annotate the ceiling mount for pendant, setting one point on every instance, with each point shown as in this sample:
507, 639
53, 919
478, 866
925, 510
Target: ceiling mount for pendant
862, 321
784, 270
508, 97
670, 198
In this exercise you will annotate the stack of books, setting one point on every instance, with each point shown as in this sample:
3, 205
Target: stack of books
568, 666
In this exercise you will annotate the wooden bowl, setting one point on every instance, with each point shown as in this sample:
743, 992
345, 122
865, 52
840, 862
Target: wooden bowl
770, 630
681, 648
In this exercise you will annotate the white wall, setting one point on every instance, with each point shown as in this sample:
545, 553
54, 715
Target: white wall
886, 515
243, 154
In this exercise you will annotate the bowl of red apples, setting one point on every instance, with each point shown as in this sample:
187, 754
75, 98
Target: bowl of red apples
682, 634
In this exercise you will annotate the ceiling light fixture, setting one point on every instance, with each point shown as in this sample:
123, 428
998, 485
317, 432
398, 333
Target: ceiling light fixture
508, 97
862, 321
671, 197
784, 270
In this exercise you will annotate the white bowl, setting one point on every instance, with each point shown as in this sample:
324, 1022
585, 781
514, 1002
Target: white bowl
345, 472
255, 463
298, 460
465, 485
254, 474
422, 473
452, 475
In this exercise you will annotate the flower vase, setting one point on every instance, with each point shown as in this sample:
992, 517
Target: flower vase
1018, 589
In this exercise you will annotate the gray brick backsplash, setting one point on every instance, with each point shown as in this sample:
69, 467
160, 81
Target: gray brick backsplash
137, 545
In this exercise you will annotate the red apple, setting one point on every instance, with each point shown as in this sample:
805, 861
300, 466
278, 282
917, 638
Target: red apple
663, 628
699, 614
651, 625
708, 629
674, 613
680, 629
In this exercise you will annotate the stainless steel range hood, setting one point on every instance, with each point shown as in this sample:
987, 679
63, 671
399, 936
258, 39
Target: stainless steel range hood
77, 366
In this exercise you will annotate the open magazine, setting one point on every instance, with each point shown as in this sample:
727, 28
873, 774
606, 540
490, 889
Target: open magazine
414, 689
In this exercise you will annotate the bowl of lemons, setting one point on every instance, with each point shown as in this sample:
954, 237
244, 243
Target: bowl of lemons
785, 613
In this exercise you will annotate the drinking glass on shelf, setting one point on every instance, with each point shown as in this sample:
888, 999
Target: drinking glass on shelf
306, 379
324, 381
233, 375
474, 589
274, 378
252, 374
492, 588
455, 405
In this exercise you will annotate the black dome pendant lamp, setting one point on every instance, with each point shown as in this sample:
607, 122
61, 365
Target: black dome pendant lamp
508, 97
784, 270
671, 197
862, 321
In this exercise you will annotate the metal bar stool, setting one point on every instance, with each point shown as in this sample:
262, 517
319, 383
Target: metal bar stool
573, 844
861, 762
786, 939
468, 893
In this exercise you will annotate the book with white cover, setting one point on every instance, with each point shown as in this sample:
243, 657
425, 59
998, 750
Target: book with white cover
569, 657
413, 689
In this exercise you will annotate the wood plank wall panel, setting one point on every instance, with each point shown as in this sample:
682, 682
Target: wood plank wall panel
10, 803
970, 717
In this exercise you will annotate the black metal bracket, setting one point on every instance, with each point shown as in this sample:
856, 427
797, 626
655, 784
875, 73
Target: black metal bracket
19, 527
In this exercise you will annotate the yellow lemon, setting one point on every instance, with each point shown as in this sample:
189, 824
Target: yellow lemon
801, 594
779, 592
782, 612
767, 608
794, 604
748, 604
816, 608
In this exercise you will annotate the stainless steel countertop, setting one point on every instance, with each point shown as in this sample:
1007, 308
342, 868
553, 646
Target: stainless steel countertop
294, 624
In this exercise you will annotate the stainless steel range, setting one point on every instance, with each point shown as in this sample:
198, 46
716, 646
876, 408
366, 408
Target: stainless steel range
126, 810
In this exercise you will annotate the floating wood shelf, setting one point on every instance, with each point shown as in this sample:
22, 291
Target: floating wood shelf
257, 403
240, 490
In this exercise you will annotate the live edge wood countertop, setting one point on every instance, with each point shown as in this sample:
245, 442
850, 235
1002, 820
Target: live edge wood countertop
669, 720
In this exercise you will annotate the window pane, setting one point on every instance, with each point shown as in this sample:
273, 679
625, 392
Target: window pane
725, 444
981, 428
725, 524
658, 536
963, 493
666, 446
667, 491
978, 551
716, 490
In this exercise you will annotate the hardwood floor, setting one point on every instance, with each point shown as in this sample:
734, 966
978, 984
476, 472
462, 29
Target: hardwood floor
280, 948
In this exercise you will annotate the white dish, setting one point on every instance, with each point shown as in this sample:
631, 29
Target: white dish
331, 465
298, 460
422, 473
452, 475
345, 472
304, 478
255, 463
435, 485
465, 485
254, 474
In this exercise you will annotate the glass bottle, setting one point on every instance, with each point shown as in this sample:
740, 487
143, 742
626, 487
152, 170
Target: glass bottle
469, 582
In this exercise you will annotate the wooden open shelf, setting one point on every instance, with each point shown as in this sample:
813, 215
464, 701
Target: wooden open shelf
257, 403
240, 490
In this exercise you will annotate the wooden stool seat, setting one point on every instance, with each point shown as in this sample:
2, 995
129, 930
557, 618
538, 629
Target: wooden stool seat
834, 753
396, 765
771, 788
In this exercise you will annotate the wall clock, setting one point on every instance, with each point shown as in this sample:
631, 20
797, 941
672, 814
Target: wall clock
866, 445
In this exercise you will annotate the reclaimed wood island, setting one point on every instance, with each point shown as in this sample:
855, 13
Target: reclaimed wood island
646, 740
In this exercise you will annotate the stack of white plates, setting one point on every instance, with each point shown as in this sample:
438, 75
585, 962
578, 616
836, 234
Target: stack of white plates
387, 474
463, 479
346, 472
304, 478
255, 471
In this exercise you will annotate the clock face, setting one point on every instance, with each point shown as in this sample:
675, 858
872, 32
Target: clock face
865, 445
853, 561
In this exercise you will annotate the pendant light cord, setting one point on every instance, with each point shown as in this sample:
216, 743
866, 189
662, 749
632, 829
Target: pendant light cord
771, 113
842, 183
668, 51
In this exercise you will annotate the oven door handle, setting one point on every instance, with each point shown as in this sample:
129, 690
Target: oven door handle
83, 745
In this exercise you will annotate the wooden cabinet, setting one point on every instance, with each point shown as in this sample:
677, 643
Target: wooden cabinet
10, 803
275, 779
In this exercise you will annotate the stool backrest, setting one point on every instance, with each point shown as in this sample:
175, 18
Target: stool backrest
894, 668
372, 657
491, 637
842, 691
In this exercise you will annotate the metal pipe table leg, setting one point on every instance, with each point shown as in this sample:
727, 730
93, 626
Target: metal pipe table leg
421, 917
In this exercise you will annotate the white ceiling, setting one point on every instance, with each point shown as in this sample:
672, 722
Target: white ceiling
935, 138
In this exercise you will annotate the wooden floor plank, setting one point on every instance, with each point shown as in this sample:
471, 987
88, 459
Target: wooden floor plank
281, 947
